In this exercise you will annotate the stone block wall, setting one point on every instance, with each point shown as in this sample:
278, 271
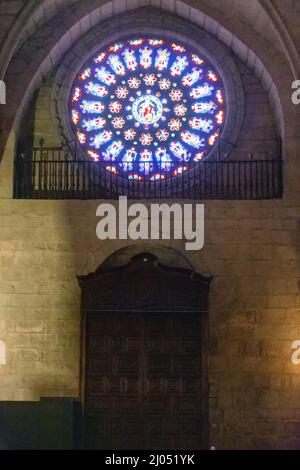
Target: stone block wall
251, 249
8, 12
258, 136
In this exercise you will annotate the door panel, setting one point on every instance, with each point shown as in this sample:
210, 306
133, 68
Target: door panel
143, 381
169, 365
113, 383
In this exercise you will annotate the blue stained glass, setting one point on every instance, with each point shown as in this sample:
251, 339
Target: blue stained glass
148, 107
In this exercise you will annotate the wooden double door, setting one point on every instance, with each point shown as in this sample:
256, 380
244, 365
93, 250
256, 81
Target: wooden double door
145, 381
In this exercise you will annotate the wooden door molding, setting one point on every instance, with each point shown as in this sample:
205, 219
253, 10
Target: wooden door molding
117, 304
144, 284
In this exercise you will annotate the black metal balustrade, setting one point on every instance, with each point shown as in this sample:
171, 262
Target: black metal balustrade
52, 173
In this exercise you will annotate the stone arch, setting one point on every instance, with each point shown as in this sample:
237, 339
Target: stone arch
170, 26
54, 49
283, 35
167, 255
35, 12
140, 300
26, 23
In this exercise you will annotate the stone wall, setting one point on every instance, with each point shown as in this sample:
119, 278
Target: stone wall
252, 251
251, 248
40, 122
8, 12
258, 136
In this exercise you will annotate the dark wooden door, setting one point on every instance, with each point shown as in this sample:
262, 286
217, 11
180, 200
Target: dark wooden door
172, 394
144, 381
143, 362
113, 391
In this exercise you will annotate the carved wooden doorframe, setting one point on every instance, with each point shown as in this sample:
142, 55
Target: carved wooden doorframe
146, 288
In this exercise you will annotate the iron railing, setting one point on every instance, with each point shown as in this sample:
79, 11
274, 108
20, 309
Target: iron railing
52, 173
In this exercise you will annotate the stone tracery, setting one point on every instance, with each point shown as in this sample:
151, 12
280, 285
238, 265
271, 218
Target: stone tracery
147, 107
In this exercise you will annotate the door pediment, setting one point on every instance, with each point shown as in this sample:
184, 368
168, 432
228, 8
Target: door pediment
145, 283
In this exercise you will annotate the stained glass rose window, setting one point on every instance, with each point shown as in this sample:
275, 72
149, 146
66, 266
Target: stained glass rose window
147, 108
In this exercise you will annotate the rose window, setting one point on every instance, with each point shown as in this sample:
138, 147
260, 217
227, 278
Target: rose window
147, 108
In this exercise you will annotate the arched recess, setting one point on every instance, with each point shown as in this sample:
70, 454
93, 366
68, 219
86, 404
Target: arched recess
172, 27
144, 356
52, 52
2, 353
36, 12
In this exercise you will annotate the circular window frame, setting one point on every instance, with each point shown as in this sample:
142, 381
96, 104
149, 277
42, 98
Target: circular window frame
135, 97
173, 28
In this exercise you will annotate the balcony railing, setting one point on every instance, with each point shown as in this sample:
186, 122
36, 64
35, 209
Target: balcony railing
53, 174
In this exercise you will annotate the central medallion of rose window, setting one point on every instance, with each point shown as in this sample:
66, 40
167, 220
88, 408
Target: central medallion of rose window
147, 109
